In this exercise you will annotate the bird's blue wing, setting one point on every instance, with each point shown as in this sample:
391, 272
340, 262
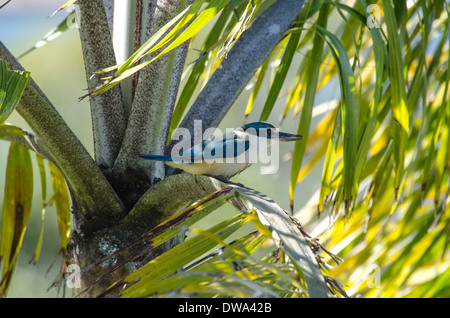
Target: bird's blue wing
214, 147
190, 155
225, 148
156, 157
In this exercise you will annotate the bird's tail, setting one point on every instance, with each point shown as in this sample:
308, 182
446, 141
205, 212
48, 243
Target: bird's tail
156, 157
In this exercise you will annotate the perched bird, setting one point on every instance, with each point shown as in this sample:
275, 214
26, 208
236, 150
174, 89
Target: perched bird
225, 156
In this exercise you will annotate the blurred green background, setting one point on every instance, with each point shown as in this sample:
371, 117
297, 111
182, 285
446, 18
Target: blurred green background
58, 70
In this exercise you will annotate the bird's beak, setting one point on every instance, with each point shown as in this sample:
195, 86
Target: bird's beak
287, 137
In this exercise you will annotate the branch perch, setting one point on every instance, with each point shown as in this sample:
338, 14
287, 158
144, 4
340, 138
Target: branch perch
156, 205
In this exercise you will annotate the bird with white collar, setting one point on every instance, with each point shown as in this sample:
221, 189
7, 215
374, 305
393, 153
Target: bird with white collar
225, 156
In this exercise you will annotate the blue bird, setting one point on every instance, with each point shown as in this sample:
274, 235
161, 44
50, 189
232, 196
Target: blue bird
225, 156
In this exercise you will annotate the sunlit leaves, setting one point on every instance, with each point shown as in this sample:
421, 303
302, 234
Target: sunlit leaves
397, 226
16, 210
180, 256
12, 85
312, 74
290, 238
184, 26
212, 273
37, 251
280, 75
207, 264
61, 199
9, 130
386, 146
350, 111
64, 6
195, 212
400, 123
199, 67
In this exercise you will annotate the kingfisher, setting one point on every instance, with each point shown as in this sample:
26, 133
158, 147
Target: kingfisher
225, 156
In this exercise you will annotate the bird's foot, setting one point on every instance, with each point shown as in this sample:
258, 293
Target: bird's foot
225, 180
222, 179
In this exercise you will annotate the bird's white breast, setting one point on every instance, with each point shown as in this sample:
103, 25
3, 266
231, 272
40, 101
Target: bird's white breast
205, 164
213, 169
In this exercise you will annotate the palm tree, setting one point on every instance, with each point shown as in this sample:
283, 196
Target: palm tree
383, 147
